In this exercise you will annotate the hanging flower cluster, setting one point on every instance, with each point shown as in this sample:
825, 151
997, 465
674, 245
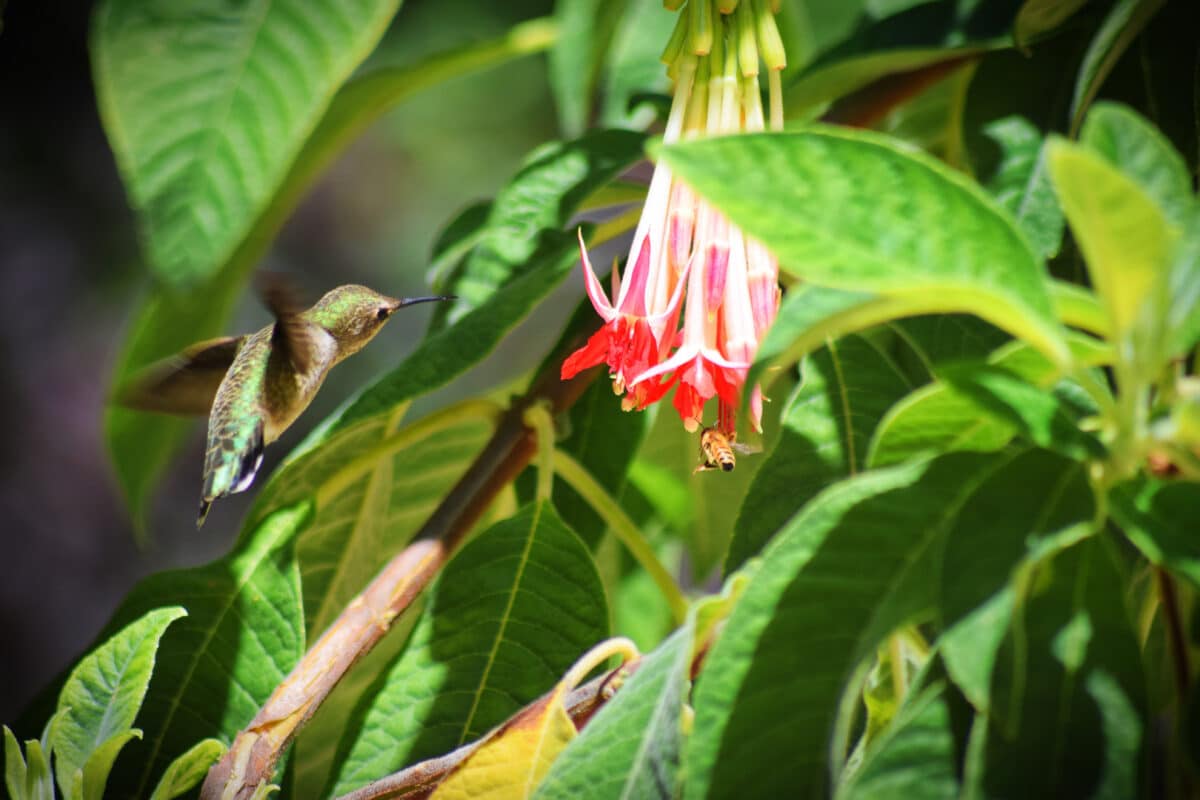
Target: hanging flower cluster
685, 254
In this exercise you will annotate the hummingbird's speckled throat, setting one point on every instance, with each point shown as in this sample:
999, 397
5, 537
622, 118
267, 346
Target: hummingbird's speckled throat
253, 387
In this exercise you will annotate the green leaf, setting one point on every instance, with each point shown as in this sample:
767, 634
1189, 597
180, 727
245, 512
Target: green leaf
1021, 184
531, 208
913, 757
39, 783
205, 138
89, 782
188, 770
1125, 237
818, 198
1075, 651
508, 615
936, 418
374, 484
166, 322
243, 634
1137, 149
453, 243
1125, 20
824, 435
1034, 505
1183, 292
868, 549
632, 747
1158, 517
102, 696
14, 765
1042, 16
633, 66
585, 30
942, 338
1038, 414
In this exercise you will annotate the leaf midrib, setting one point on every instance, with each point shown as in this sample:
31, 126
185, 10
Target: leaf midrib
504, 619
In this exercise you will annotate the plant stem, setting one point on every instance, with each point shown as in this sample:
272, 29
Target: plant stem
538, 417
899, 673
579, 479
1169, 602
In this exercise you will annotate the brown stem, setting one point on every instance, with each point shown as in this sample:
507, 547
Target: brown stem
251, 759
419, 780
870, 104
1169, 601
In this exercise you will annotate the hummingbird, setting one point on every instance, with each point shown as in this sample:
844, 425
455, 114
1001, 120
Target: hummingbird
253, 387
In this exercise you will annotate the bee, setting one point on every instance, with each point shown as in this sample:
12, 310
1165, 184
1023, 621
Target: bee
717, 450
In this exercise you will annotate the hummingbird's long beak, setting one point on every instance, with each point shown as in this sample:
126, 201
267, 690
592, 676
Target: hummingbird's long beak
412, 301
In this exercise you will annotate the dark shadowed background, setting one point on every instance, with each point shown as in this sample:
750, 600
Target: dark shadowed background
70, 277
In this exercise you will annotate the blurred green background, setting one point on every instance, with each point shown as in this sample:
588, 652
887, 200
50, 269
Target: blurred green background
70, 276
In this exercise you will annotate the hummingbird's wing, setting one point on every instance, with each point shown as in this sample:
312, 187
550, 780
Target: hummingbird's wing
293, 336
184, 384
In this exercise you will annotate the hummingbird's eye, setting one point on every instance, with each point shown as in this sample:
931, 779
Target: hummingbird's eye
382, 313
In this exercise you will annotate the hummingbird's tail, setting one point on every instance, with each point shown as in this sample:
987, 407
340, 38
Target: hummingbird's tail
205, 505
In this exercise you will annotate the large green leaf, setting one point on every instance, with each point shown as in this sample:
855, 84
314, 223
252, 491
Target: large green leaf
861, 559
1041, 416
102, 696
825, 432
243, 634
1141, 153
508, 615
1035, 504
1139, 150
166, 321
1158, 517
913, 757
940, 417
533, 206
1021, 184
938, 339
632, 747
204, 138
1074, 651
858, 212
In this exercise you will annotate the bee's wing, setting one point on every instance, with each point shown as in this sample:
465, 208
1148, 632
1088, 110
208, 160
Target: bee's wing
184, 384
293, 335
746, 449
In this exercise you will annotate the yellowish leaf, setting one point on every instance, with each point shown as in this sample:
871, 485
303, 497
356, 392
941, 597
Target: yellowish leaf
1124, 235
512, 760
